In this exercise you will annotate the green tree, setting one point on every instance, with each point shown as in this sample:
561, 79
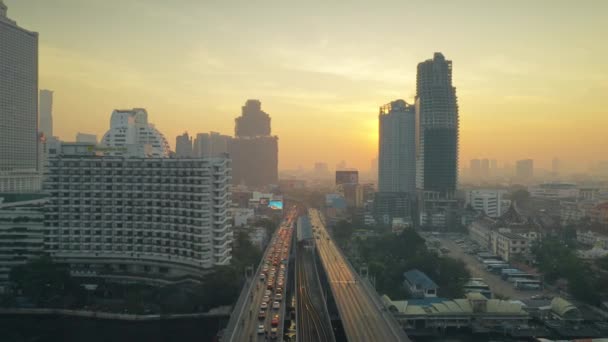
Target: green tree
41, 280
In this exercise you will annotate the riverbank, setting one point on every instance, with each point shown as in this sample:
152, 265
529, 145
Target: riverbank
68, 328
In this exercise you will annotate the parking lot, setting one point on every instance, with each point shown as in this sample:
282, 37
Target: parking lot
497, 284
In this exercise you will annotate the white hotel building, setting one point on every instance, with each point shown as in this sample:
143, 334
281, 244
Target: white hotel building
154, 218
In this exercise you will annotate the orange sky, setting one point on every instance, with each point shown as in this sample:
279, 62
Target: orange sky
530, 76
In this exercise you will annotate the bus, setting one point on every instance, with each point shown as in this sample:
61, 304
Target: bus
512, 277
496, 268
528, 284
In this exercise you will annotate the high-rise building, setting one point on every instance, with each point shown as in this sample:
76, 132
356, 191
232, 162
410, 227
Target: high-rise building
555, 166
397, 148
210, 144
183, 146
130, 134
19, 139
253, 122
475, 166
254, 152
45, 105
485, 168
524, 169
437, 127
153, 217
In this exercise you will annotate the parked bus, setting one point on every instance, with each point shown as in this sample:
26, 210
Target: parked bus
512, 277
496, 268
506, 271
528, 284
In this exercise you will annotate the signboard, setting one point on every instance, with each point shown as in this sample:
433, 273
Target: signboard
347, 177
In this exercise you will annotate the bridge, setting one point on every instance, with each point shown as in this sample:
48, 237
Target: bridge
291, 283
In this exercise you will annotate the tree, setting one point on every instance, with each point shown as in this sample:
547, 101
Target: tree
41, 280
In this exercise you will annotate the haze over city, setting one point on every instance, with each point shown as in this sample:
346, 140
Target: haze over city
530, 77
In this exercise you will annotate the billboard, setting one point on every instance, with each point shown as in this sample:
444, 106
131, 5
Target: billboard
275, 205
347, 177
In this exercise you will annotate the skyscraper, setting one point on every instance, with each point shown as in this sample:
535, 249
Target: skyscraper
131, 134
437, 127
210, 144
19, 153
253, 122
45, 105
183, 146
397, 148
524, 169
254, 151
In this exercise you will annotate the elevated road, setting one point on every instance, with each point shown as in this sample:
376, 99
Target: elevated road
255, 318
363, 316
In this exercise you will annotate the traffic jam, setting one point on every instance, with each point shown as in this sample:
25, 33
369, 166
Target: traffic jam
273, 276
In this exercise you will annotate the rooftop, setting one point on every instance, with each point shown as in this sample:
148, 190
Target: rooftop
442, 306
416, 277
512, 236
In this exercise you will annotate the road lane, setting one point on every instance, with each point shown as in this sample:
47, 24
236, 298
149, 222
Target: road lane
362, 318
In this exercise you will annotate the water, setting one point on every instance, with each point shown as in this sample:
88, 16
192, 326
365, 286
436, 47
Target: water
54, 328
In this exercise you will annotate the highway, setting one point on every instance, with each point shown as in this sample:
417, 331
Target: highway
363, 317
263, 314
313, 323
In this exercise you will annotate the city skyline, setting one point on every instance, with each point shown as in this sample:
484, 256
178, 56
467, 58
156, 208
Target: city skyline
510, 81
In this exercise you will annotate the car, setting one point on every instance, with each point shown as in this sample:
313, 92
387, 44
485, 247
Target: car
276, 305
266, 299
267, 293
278, 296
264, 306
269, 286
262, 314
275, 321
261, 329
274, 333
262, 277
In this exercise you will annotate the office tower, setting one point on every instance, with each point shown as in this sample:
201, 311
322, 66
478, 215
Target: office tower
19, 140
489, 201
254, 151
475, 166
524, 169
437, 127
153, 217
253, 122
373, 170
555, 166
485, 168
130, 134
397, 148
45, 106
210, 144
86, 138
494, 168
183, 146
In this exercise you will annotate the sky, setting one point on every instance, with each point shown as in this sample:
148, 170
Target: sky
531, 76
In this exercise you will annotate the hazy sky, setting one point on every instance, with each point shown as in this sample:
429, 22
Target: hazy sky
531, 76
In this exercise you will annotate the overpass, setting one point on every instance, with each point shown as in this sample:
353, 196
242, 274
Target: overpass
364, 317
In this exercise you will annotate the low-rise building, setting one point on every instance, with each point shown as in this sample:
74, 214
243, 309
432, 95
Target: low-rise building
419, 284
509, 245
21, 230
488, 201
476, 312
554, 190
